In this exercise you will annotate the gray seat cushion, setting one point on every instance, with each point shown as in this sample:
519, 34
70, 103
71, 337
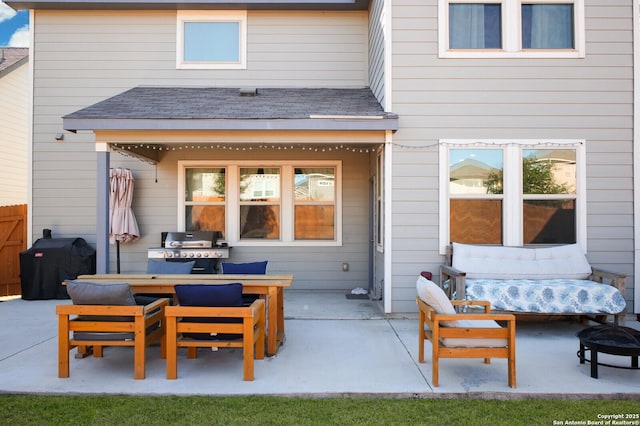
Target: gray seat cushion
89, 293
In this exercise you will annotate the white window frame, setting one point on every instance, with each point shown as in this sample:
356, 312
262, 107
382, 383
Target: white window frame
232, 208
211, 16
511, 32
512, 174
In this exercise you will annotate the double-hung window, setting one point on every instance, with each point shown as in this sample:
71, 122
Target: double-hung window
211, 40
512, 192
511, 28
251, 203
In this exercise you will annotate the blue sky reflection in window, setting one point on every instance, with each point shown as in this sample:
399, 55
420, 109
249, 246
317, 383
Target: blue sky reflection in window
212, 42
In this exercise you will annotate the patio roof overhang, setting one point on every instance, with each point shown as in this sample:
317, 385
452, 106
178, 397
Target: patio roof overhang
200, 108
147, 120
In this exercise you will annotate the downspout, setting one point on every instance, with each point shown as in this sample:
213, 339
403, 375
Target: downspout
388, 161
636, 154
32, 16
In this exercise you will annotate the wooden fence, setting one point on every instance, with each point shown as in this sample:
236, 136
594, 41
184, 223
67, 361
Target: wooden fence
13, 240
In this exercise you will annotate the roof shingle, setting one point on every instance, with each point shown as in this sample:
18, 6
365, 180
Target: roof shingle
173, 104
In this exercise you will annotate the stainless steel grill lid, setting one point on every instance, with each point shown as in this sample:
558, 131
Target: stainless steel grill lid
196, 239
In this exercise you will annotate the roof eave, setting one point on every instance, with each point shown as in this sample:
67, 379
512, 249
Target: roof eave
191, 5
344, 124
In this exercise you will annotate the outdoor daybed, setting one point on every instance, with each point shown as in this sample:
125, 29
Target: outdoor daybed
551, 280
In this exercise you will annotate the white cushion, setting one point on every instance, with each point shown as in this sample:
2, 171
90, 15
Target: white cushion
474, 343
434, 296
499, 262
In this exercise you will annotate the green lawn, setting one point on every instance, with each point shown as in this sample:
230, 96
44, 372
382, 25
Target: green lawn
203, 410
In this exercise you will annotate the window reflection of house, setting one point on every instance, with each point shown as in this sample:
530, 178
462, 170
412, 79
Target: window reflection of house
260, 203
314, 195
205, 197
314, 187
260, 186
563, 166
470, 177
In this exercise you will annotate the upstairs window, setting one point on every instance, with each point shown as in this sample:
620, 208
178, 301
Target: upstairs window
475, 26
211, 40
511, 28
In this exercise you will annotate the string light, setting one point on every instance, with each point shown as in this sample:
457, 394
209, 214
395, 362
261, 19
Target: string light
490, 144
123, 148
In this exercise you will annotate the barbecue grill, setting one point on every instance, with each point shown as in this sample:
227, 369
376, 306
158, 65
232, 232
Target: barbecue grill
202, 246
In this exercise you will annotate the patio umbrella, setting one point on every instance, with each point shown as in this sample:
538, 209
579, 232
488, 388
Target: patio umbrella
123, 227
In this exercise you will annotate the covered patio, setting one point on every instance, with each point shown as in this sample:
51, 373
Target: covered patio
334, 346
175, 130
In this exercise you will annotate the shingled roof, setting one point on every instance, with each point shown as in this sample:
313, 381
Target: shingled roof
202, 108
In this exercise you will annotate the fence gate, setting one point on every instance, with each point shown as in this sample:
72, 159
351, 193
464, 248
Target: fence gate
13, 240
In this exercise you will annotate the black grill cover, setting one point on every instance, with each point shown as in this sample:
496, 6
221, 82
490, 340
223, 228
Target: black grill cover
49, 262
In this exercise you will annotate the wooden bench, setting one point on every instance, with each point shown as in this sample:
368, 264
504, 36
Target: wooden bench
269, 287
251, 330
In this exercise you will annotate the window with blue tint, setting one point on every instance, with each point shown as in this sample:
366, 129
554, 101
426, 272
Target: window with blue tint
547, 26
212, 42
475, 26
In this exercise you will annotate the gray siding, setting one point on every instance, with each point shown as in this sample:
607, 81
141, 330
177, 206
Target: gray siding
14, 139
588, 98
377, 50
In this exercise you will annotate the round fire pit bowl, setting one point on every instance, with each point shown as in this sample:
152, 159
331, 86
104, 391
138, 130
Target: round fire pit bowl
609, 339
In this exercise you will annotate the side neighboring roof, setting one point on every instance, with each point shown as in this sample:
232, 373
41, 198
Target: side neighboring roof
11, 58
191, 4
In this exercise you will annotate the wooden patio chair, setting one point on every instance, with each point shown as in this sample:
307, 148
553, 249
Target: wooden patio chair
463, 335
213, 316
107, 315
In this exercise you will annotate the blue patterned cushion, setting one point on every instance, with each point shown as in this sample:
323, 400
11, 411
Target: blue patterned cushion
552, 296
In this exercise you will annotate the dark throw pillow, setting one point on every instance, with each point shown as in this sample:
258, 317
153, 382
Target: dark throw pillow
215, 295
252, 268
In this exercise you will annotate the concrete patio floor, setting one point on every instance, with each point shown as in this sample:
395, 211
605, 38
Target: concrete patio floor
334, 346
